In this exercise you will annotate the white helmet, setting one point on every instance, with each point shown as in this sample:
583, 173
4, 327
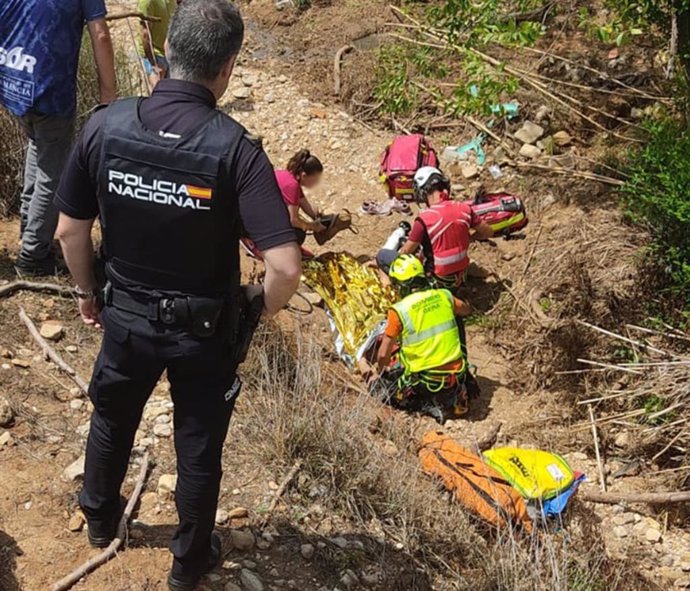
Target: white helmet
428, 179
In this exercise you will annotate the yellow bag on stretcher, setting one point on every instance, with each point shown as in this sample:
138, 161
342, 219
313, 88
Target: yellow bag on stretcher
535, 474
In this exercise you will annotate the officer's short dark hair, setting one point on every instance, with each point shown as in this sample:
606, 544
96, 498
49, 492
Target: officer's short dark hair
204, 35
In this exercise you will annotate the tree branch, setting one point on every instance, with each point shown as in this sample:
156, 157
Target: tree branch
51, 354
652, 498
90, 565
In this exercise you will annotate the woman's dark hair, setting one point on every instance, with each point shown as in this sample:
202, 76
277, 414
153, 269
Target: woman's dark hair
304, 162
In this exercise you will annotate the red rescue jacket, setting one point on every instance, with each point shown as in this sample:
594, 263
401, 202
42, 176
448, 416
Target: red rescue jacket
448, 227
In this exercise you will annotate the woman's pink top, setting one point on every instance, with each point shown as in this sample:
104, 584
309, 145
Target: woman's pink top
289, 187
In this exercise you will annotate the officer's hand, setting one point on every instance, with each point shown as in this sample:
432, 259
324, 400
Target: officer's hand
90, 311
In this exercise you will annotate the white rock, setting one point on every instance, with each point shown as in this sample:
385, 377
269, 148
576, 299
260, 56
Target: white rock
652, 535
230, 586
76, 522
250, 581
307, 551
242, 93
162, 419
622, 440
248, 79
282, 78
52, 330
72, 349
6, 439
470, 171
75, 469
164, 430
166, 485
76, 404
221, 517
6, 412
624, 518
529, 151
621, 531
529, 133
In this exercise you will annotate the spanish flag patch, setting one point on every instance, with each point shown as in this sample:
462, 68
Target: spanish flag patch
199, 192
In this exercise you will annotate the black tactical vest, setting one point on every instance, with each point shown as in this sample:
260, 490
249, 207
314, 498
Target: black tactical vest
168, 207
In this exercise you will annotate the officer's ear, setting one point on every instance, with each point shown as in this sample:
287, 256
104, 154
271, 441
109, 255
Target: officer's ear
229, 66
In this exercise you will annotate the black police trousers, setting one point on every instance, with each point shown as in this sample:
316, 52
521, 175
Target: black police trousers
133, 355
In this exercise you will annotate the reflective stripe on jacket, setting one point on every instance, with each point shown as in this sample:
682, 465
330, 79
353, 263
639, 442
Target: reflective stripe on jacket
448, 226
430, 336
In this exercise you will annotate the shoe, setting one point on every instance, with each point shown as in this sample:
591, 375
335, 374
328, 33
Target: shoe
47, 267
189, 584
100, 536
334, 224
472, 386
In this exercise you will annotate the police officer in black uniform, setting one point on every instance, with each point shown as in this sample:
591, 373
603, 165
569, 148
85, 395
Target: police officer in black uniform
174, 182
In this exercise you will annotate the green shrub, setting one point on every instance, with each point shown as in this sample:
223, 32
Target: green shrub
658, 196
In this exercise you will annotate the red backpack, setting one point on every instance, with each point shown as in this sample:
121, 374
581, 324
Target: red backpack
402, 159
505, 213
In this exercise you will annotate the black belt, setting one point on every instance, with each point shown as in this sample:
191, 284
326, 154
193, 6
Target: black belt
166, 310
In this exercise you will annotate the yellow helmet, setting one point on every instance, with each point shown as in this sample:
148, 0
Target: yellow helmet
406, 268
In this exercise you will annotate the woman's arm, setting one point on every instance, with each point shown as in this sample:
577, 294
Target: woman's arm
302, 224
308, 208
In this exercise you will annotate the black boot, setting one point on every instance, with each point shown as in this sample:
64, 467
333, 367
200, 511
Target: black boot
180, 583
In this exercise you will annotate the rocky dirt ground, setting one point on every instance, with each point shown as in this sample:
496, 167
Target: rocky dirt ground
42, 442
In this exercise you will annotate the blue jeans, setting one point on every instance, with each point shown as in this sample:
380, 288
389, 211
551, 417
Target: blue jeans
50, 141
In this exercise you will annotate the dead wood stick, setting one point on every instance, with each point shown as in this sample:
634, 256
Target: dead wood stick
630, 341
337, 67
653, 498
600, 465
590, 176
281, 490
534, 248
50, 353
90, 565
139, 15
15, 286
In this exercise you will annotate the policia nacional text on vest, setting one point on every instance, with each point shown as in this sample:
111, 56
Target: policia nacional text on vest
430, 337
168, 227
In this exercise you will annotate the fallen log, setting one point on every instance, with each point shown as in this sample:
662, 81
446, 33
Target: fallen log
337, 65
15, 286
50, 354
651, 498
90, 565
140, 15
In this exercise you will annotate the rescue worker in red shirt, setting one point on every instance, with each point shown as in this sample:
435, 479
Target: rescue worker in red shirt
444, 229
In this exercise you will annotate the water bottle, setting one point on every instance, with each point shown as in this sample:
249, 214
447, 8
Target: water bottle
399, 237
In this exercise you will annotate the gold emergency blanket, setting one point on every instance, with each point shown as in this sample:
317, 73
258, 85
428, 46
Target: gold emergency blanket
353, 293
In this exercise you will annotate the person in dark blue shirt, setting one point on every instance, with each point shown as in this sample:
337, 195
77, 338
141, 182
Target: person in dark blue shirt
39, 54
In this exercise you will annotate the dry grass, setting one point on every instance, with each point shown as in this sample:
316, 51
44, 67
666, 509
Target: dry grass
643, 386
363, 460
